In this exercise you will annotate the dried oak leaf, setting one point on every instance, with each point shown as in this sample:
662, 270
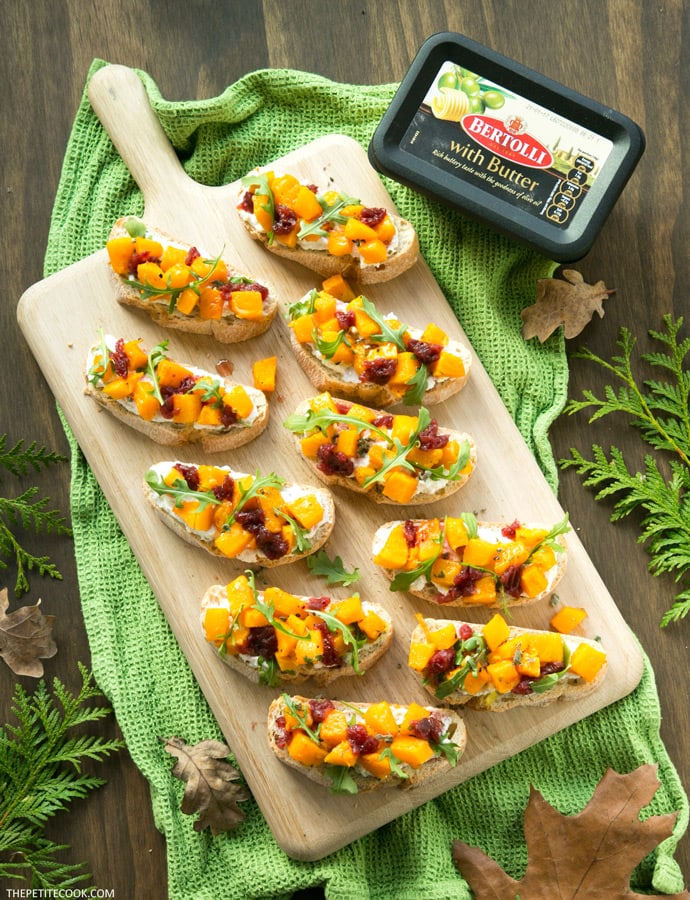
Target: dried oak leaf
569, 302
586, 856
26, 637
210, 784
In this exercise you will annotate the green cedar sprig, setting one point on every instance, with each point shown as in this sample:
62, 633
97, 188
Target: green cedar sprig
41, 774
658, 408
28, 512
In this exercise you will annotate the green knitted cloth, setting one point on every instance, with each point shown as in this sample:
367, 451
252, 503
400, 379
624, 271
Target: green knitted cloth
135, 657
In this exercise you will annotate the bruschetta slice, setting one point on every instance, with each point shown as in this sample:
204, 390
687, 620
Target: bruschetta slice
498, 667
170, 402
458, 561
395, 459
347, 347
180, 287
357, 747
273, 637
326, 231
255, 519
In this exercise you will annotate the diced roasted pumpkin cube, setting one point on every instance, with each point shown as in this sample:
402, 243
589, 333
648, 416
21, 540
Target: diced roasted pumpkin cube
333, 728
412, 750
587, 661
400, 486
394, 553
504, 676
216, 623
496, 631
568, 618
379, 719
305, 751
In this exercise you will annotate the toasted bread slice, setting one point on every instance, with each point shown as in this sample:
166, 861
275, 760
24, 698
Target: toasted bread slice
179, 288
499, 667
288, 219
457, 561
209, 507
172, 403
347, 347
275, 637
357, 747
391, 459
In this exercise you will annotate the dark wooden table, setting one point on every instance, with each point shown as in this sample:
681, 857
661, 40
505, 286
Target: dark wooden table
629, 54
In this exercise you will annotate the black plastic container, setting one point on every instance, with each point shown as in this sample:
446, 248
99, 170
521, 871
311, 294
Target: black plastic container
506, 145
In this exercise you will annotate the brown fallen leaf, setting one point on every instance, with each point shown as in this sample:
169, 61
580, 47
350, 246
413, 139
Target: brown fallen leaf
210, 789
26, 637
567, 301
588, 855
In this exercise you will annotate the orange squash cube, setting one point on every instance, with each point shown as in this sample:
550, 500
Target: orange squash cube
411, 750
333, 728
379, 719
338, 287
216, 623
587, 661
373, 251
233, 541
120, 251
306, 510
210, 303
400, 486
350, 610
247, 305
414, 713
146, 402
305, 751
372, 625
504, 676
395, 551
568, 618
341, 755
377, 765
186, 408
443, 638
496, 631
533, 581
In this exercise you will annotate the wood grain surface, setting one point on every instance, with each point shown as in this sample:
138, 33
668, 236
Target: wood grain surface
627, 53
61, 317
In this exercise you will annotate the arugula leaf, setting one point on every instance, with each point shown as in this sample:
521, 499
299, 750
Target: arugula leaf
303, 307
98, 370
395, 764
403, 580
259, 483
301, 539
342, 781
300, 714
414, 396
299, 423
179, 491
541, 685
328, 349
445, 746
156, 356
259, 180
331, 213
350, 640
332, 570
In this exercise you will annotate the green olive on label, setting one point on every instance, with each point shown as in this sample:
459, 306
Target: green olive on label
448, 79
476, 104
493, 99
470, 86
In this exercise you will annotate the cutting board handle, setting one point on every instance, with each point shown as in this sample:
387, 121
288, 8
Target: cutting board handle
120, 101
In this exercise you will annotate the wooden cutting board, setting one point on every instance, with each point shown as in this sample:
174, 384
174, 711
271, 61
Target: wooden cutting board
61, 316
